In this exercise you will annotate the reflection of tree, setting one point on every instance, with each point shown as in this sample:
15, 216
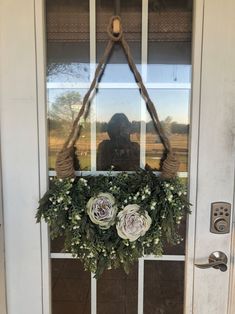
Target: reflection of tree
171, 127
101, 127
179, 128
160, 5
166, 124
65, 107
157, 5
68, 70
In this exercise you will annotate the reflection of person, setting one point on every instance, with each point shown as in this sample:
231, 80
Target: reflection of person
119, 151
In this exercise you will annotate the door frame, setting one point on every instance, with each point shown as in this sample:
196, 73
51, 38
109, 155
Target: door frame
41, 64
197, 37
194, 130
205, 81
38, 72
196, 101
3, 303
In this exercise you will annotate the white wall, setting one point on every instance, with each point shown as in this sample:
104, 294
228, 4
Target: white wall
20, 156
2, 253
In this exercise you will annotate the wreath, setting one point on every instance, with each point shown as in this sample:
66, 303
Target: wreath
110, 221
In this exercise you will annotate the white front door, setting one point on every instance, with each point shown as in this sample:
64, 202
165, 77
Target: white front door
40, 278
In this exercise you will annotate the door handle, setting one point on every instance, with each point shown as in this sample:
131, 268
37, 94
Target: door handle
217, 260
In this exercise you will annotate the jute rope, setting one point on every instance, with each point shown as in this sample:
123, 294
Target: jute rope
65, 158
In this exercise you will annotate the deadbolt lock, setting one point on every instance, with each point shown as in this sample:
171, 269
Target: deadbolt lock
221, 225
220, 217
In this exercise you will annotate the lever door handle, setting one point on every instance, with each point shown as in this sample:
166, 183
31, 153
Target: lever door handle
222, 266
217, 260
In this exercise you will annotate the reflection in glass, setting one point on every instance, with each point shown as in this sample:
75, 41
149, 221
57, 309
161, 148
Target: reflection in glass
63, 107
163, 287
178, 249
117, 69
169, 62
160, 5
57, 245
118, 129
169, 41
118, 152
173, 109
70, 287
169, 73
117, 292
67, 41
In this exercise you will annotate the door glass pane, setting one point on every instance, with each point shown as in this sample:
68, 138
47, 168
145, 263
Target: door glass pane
67, 41
70, 287
168, 77
169, 42
63, 107
163, 287
173, 110
118, 292
118, 129
117, 69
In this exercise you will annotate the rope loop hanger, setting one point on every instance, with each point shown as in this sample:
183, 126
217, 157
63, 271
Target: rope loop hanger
65, 158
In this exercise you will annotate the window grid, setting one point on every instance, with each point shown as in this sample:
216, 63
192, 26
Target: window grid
159, 86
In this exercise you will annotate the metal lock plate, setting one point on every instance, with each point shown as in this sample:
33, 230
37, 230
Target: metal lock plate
220, 217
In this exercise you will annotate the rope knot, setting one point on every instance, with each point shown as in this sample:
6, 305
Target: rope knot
170, 166
65, 163
114, 29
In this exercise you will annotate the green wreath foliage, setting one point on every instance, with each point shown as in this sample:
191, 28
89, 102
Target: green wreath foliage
95, 213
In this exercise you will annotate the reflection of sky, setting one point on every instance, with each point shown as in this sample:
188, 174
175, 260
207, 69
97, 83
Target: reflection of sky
169, 73
156, 73
169, 102
111, 101
120, 72
174, 103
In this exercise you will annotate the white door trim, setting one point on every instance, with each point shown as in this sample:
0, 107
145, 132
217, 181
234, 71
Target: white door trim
3, 303
197, 37
216, 151
197, 43
40, 48
231, 304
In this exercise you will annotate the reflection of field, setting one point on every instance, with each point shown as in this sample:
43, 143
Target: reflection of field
83, 150
154, 149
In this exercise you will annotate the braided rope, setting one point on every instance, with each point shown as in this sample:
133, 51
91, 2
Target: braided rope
150, 106
65, 158
64, 166
170, 166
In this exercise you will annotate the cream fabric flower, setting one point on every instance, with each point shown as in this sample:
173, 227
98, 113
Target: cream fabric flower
131, 223
102, 210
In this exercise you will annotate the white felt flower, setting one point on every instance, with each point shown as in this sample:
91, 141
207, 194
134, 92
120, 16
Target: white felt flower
102, 210
132, 223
